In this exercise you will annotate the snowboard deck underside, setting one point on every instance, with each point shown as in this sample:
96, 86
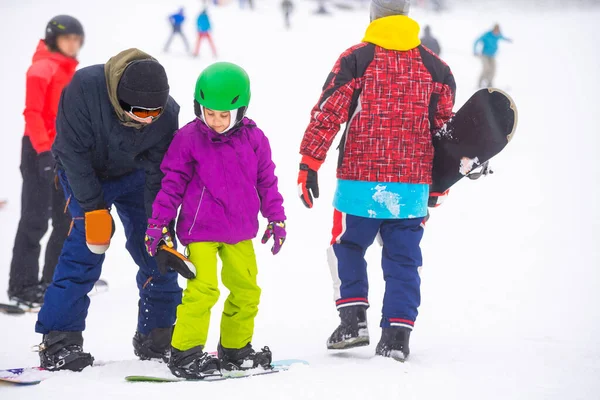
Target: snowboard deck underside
476, 133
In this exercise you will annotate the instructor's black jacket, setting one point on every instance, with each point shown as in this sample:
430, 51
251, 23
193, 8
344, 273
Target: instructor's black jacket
93, 145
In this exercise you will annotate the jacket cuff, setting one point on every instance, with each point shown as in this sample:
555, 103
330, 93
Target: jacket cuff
158, 222
312, 163
42, 147
95, 207
280, 217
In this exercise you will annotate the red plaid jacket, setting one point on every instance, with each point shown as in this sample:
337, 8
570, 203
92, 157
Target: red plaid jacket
393, 93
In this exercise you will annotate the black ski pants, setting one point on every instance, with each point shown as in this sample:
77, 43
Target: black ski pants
40, 201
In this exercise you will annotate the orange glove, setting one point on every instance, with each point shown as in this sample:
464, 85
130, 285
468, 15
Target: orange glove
99, 229
308, 180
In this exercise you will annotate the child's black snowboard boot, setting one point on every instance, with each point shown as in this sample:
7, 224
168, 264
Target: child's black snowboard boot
353, 330
154, 346
194, 363
63, 350
394, 343
244, 358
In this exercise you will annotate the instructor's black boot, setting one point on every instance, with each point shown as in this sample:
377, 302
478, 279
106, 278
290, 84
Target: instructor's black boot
154, 346
194, 363
244, 358
31, 297
64, 350
353, 330
394, 343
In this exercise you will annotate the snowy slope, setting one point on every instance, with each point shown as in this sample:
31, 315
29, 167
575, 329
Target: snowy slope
511, 277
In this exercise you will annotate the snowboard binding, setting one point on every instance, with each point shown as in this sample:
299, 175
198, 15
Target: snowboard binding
194, 364
245, 358
63, 351
484, 171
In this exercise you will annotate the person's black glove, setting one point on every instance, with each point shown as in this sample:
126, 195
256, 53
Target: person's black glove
168, 258
46, 166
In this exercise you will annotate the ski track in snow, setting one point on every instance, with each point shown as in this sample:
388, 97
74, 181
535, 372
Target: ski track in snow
508, 312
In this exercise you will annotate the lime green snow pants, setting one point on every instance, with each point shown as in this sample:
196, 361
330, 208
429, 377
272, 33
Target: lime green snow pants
202, 293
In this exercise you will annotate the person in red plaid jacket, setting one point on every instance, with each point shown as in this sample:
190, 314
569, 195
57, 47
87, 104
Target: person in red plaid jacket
392, 93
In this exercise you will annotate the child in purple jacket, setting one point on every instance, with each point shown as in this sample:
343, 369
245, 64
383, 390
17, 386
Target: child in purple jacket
219, 170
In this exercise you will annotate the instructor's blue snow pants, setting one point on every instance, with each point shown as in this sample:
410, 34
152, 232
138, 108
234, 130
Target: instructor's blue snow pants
401, 260
66, 303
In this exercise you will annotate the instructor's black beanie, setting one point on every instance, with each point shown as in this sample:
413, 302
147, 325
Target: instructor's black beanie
144, 83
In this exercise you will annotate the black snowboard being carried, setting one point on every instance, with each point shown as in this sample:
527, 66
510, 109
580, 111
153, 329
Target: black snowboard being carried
476, 133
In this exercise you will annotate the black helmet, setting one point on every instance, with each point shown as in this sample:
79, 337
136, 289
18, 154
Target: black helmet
62, 25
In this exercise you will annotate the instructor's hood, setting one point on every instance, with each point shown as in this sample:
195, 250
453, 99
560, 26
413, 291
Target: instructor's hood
397, 32
113, 71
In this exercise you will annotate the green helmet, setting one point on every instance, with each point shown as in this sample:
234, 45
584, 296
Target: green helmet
222, 86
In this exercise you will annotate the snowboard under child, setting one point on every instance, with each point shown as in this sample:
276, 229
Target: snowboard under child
219, 170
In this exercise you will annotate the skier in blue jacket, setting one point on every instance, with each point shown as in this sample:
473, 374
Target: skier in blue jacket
486, 47
176, 21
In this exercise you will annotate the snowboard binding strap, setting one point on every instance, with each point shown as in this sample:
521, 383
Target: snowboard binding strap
484, 171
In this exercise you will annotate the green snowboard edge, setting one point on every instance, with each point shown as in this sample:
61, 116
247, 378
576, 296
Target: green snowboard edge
143, 378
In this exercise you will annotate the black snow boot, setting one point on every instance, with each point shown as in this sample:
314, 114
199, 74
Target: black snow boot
64, 350
31, 297
353, 330
194, 363
244, 358
154, 346
394, 343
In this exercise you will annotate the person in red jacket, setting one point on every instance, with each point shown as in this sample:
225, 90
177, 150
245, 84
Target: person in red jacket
53, 66
393, 94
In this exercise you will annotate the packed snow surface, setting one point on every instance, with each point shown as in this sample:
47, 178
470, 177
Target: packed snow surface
511, 276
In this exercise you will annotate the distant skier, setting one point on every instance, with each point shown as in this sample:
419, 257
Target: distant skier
204, 32
115, 122
429, 41
384, 169
176, 21
435, 5
250, 4
53, 66
287, 7
322, 10
219, 170
488, 43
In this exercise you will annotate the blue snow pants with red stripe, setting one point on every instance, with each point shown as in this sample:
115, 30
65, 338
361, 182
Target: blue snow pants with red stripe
66, 303
401, 260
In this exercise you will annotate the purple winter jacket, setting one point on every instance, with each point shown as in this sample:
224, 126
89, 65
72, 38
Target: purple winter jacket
221, 183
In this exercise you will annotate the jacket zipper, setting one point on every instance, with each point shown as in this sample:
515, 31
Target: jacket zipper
258, 196
197, 210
